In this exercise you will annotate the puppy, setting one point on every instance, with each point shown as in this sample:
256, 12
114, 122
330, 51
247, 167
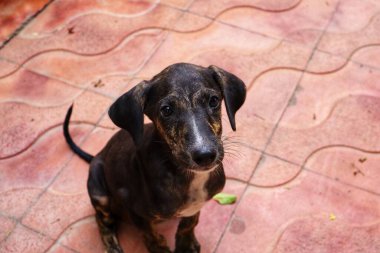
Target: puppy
170, 167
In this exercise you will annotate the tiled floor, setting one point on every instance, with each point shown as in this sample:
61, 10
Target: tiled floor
306, 163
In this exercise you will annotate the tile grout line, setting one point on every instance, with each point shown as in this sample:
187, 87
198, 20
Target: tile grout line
274, 129
24, 24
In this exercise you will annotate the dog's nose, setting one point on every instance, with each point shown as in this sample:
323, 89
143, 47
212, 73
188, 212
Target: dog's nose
204, 156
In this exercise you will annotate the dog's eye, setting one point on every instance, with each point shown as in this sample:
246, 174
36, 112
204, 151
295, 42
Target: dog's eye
166, 110
214, 101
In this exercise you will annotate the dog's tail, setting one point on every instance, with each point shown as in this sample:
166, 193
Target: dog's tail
77, 150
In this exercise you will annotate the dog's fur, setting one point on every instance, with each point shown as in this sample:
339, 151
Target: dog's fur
170, 167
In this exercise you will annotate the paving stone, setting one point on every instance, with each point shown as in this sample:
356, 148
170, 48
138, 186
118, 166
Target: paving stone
25, 240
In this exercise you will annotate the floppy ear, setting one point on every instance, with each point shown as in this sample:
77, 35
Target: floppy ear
127, 111
233, 90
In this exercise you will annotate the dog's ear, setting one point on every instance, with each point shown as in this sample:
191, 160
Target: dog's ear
233, 90
127, 111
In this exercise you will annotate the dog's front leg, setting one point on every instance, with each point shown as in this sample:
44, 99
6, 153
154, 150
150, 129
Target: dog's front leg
185, 241
154, 242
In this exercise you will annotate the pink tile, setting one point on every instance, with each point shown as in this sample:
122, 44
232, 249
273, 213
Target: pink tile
353, 16
25, 240
57, 248
7, 67
53, 18
125, 59
217, 45
27, 123
273, 172
347, 164
14, 13
55, 212
38, 165
34, 89
345, 43
213, 10
240, 160
91, 35
264, 104
214, 218
83, 236
73, 179
6, 227
321, 235
16, 202
323, 114
265, 214
289, 18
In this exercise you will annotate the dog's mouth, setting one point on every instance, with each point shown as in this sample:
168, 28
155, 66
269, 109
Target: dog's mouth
206, 169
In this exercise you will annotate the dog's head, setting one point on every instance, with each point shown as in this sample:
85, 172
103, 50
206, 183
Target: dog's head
184, 103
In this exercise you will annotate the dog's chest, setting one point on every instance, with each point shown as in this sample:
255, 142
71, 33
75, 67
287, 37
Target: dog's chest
197, 195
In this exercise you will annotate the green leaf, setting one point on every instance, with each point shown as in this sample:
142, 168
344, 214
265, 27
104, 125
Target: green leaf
225, 198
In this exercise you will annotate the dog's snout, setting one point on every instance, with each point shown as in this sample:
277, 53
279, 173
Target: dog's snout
204, 156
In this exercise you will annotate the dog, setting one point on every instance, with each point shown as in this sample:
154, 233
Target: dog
166, 169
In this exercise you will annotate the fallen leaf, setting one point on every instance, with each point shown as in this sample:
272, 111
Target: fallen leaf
225, 198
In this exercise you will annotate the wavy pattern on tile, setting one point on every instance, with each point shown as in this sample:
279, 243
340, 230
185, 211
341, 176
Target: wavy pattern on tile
352, 116
15, 202
26, 123
46, 155
310, 233
79, 36
343, 44
126, 58
53, 18
215, 9
50, 210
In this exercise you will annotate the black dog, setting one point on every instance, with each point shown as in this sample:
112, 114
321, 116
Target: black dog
168, 168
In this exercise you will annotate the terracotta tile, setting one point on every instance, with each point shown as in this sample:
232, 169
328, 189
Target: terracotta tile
308, 235
55, 212
214, 218
213, 10
347, 164
295, 16
83, 236
273, 172
25, 240
15, 202
353, 16
73, 179
91, 35
39, 164
217, 45
57, 248
240, 160
265, 214
34, 89
7, 67
259, 115
183, 4
323, 114
126, 59
27, 123
346, 44
6, 227
53, 18
14, 13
